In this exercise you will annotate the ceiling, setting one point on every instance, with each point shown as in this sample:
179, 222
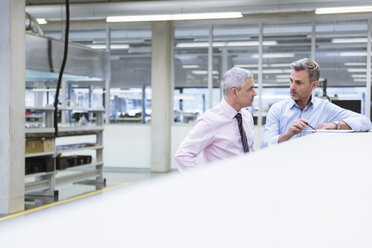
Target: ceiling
97, 9
132, 68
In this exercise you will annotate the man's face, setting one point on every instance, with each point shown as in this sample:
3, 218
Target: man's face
246, 94
300, 85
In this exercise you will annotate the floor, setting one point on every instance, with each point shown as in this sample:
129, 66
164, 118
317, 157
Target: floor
115, 177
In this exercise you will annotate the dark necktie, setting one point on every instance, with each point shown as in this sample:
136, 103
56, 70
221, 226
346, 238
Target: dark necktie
243, 136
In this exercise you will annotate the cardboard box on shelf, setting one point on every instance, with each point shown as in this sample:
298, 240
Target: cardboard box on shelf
38, 146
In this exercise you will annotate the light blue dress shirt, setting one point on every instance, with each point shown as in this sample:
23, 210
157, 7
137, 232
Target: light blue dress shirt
282, 114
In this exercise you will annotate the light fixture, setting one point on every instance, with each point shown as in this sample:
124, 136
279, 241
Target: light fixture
349, 40
201, 72
41, 21
174, 17
246, 65
275, 55
356, 69
355, 64
112, 46
350, 54
263, 65
358, 75
277, 71
225, 44
359, 80
190, 66
280, 65
339, 10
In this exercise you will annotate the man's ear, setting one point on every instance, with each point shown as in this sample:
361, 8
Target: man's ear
314, 84
233, 91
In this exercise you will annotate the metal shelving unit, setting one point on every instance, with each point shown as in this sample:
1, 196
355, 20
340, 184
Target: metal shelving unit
45, 182
42, 66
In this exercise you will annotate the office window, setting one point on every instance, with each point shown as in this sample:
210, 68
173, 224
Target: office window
235, 45
130, 74
283, 43
190, 71
341, 52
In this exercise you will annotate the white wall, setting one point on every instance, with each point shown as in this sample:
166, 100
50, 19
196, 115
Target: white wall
129, 145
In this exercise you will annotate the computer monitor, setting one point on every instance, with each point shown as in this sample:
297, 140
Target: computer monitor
353, 105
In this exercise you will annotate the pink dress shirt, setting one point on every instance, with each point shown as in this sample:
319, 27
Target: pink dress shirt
216, 133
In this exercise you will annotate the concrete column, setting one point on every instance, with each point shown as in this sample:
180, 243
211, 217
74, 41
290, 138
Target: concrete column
108, 80
64, 101
210, 67
162, 92
260, 79
12, 105
368, 98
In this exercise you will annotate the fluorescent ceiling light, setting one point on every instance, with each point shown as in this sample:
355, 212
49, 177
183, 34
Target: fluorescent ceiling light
41, 21
174, 17
190, 66
275, 55
355, 64
247, 66
225, 44
280, 65
263, 65
359, 80
356, 69
339, 10
349, 40
350, 54
276, 71
199, 72
112, 46
358, 75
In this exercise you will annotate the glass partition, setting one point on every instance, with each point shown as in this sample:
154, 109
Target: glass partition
130, 74
190, 72
341, 53
283, 43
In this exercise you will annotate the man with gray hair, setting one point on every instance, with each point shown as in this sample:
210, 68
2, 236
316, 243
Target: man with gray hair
225, 130
289, 118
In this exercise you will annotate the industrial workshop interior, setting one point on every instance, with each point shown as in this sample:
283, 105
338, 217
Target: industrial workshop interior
98, 95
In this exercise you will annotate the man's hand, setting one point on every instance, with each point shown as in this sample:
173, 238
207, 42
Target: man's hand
296, 127
332, 126
327, 126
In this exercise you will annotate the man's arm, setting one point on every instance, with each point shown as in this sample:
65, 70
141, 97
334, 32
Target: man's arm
296, 127
200, 136
271, 131
348, 119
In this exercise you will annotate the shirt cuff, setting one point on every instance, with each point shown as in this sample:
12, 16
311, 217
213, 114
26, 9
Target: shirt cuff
270, 141
358, 124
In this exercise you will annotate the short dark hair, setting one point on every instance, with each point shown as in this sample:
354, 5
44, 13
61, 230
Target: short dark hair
310, 66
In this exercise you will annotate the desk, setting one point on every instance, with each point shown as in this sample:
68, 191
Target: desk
315, 191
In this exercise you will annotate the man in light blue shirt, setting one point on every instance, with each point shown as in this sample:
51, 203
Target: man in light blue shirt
287, 119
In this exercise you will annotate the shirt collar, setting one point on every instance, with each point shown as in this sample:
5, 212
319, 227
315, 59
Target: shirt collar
230, 111
292, 103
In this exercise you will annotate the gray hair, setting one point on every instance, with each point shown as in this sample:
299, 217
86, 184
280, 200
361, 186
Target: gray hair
310, 66
234, 78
